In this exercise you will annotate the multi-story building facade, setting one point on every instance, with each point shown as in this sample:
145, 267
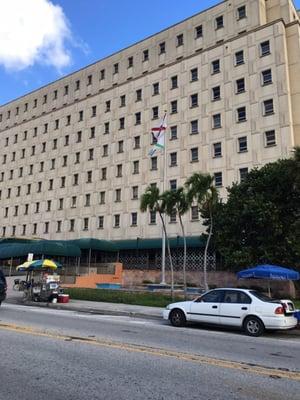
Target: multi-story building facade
74, 154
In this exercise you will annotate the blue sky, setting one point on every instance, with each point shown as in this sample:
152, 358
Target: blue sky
75, 33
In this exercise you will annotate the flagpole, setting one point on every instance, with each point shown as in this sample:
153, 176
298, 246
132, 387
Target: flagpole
163, 250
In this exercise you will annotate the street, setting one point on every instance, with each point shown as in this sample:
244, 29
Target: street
51, 354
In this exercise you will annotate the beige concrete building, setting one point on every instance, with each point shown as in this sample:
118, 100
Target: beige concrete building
74, 154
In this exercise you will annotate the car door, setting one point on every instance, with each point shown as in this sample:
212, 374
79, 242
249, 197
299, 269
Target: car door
235, 305
206, 308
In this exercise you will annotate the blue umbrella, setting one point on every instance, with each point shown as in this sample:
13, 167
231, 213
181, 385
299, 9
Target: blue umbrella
267, 271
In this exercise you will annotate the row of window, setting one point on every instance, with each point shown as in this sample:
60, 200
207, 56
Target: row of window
270, 140
215, 69
100, 225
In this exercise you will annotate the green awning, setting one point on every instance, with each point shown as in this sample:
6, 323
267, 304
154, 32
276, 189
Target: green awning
135, 244
41, 247
94, 244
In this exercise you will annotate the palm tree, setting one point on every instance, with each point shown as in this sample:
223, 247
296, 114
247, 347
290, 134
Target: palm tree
151, 200
177, 200
202, 190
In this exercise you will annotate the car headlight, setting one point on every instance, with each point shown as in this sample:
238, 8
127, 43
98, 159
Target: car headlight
168, 307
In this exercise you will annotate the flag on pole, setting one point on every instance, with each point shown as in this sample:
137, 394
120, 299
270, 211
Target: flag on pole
158, 135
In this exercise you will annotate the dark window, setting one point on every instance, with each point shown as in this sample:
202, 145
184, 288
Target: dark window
219, 22
198, 31
217, 149
194, 74
266, 77
243, 174
173, 159
270, 138
239, 57
242, 141
146, 55
216, 93
218, 179
241, 12
217, 121
130, 62
194, 154
268, 107
179, 40
174, 82
194, 100
162, 48
173, 131
241, 114
240, 85
155, 88
174, 107
265, 48
215, 66
116, 68
215, 296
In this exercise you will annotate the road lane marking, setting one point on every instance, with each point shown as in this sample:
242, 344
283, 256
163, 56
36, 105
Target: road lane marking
235, 365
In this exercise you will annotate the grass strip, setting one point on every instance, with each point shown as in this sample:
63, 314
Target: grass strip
120, 296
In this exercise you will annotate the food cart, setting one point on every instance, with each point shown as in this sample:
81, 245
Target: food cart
42, 281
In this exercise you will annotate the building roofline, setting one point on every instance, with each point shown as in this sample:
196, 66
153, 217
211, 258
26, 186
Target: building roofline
112, 54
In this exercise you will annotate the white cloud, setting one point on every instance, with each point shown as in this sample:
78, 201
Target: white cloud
33, 31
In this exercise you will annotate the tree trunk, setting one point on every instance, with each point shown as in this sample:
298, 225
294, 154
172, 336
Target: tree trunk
206, 250
184, 256
169, 254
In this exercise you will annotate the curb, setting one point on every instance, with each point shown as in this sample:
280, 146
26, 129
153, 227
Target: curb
88, 310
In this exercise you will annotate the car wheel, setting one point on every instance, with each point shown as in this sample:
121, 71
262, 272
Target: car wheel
253, 326
177, 317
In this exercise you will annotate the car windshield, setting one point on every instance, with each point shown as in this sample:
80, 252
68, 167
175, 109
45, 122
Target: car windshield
262, 296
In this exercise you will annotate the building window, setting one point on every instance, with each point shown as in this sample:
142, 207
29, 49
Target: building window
101, 222
77, 157
80, 116
239, 57
216, 121
102, 74
173, 184
53, 163
35, 131
116, 68
62, 181
89, 177
194, 154
130, 62
155, 112
61, 204
179, 40
89, 80
217, 148
215, 66
39, 188
123, 100
173, 216
77, 85
194, 74
75, 179
136, 167
72, 225
241, 114
216, 93
174, 82
174, 107
104, 150
138, 118
68, 121
91, 153
118, 195
94, 111
194, 213
241, 12
85, 224
198, 31
120, 146
266, 77
26, 209
265, 48
50, 184
87, 200
34, 230
243, 174
173, 159
102, 197
218, 179
122, 123
240, 85
138, 95
153, 163
173, 132
46, 230
219, 23
135, 192
137, 142
194, 100
155, 88
106, 128
117, 221
67, 137
268, 107
146, 55
92, 132
54, 146
152, 217
56, 124
270, 138
242, 144
119, 170
48, 205
73, 202
134, 219
162, 47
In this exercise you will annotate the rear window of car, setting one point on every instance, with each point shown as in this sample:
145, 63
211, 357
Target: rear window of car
261, 296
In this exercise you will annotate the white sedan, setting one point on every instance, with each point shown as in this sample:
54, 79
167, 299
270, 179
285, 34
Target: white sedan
247, 309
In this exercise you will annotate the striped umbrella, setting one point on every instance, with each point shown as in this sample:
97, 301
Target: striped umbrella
38, 264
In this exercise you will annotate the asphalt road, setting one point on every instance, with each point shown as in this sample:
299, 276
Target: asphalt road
53, 354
